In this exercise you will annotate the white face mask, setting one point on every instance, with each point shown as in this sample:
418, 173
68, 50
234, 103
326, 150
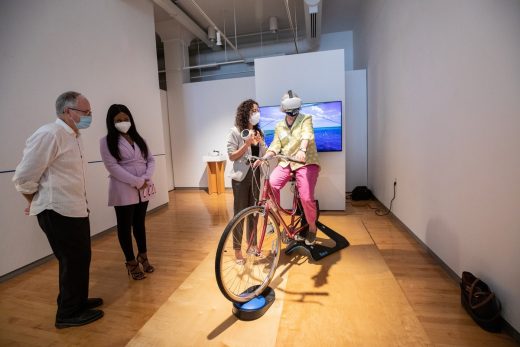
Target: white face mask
255, 118
123, 126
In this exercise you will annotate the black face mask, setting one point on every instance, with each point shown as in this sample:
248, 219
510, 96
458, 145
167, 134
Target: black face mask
292, 113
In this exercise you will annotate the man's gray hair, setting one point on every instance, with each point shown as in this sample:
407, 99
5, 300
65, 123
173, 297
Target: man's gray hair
67, 99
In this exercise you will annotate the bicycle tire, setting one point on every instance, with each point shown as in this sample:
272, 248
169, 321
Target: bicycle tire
243, 282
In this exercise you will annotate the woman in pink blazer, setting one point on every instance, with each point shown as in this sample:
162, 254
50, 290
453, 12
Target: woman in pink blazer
130, 164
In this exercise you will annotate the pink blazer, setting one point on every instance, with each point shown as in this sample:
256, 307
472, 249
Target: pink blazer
127, 175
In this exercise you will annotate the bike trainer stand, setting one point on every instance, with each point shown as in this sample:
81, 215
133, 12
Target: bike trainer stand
319, 251
254, 308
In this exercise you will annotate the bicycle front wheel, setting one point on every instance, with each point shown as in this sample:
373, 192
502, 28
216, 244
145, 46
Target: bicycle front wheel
247, 254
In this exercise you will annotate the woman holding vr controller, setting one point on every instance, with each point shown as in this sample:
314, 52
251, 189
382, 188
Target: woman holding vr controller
245, 139
294, 137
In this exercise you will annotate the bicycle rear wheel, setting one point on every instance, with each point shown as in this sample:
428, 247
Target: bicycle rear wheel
242, 280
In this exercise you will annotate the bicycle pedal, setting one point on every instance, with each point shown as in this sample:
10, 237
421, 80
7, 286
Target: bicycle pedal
285, 239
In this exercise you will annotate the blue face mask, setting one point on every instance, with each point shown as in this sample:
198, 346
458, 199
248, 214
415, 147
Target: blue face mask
84, 122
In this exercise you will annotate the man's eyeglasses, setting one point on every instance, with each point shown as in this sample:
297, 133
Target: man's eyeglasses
88, 112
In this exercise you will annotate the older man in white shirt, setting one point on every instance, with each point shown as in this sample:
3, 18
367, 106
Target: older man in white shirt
51, 176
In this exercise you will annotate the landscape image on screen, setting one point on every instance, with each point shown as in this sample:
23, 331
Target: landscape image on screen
326, 119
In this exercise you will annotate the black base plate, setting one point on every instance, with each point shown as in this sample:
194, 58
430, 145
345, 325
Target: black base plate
319, 251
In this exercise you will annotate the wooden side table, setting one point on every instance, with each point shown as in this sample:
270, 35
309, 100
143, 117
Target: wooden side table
216, 165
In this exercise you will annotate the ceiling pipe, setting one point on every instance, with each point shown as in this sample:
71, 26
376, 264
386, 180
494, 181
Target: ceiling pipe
175, 12
312, 13
258, 33
211, 65
251, 52
234, 73
291, 24
216, 28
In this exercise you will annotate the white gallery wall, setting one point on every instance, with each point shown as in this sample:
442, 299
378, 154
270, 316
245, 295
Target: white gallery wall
444, 120
167, 137
104, 49
339, 40
315, 77
356, 155
202, 123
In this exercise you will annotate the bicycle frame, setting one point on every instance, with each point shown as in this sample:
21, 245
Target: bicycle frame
268, 201
241, 279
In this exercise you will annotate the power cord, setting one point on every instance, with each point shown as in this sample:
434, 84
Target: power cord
382, 212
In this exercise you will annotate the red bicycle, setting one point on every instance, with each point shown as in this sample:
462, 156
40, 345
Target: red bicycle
255, 232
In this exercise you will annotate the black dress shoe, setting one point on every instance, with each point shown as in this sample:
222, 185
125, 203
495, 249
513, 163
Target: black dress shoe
85, 317
93, 303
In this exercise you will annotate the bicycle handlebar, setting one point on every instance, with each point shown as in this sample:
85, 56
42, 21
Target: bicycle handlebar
278, 156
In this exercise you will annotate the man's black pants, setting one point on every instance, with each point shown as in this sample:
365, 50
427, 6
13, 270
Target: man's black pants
69, 238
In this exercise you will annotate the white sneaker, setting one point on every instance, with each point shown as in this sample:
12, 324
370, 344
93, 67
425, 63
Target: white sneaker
299, 238
310, 239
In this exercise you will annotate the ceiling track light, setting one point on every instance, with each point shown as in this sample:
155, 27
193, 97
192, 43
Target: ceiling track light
211, 34
273, 25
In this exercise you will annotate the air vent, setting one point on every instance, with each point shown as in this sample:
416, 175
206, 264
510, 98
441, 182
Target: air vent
313, 25
313, 21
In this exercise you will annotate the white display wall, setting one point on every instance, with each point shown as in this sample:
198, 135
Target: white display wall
104, 49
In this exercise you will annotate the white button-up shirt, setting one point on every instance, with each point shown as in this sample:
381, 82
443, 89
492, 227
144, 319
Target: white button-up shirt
53, 168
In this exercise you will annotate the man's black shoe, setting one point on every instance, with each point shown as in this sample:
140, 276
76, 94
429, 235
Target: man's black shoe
85, 317
93, 303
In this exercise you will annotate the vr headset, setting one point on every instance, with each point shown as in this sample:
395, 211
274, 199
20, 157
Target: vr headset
292, 104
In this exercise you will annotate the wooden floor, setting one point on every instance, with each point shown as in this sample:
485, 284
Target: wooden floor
411, 288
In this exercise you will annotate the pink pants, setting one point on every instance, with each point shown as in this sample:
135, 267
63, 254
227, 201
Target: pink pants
306, 178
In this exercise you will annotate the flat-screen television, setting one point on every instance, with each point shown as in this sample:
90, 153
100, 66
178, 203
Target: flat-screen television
326, 118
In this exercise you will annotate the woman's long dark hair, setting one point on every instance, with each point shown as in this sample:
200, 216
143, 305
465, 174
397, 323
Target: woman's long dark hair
113, 133
242, 116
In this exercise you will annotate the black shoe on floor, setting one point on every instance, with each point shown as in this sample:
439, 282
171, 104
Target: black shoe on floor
85, 317
93, 303
310, 239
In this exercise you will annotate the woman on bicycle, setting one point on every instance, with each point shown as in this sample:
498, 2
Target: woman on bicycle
294, 137
245, 139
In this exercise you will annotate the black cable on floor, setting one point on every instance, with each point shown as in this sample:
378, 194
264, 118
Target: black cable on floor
382, 212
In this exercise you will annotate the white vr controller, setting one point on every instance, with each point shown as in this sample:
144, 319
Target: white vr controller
246, 134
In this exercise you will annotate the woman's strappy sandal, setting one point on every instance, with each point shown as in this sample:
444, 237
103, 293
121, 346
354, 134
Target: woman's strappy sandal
143, 259
134, 270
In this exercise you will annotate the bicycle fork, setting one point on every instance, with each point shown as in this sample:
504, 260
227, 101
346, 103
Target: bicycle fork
253, 235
